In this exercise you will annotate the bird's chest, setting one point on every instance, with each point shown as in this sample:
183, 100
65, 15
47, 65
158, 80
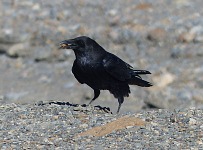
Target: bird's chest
93, 73
84, 62
88, 64
90, 68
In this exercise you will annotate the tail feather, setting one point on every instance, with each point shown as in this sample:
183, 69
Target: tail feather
141, 72
138, 81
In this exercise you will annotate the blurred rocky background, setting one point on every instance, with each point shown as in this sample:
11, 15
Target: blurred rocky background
164, 37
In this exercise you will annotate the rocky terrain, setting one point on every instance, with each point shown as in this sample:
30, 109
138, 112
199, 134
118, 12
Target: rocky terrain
164, 37
61, 127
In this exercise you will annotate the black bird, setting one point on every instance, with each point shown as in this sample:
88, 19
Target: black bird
102, 70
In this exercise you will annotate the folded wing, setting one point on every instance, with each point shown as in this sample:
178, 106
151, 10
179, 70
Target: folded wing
122, 71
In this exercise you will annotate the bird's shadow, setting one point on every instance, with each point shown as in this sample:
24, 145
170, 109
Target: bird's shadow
83, 106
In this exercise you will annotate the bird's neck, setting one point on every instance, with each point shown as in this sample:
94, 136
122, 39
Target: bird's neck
79, 54
88, 57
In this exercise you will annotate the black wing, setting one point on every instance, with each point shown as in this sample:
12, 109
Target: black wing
116, 67
123, 71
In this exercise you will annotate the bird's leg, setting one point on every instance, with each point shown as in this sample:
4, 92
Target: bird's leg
96, 94
120, 101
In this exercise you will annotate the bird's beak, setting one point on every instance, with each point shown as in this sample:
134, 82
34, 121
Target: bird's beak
67, 44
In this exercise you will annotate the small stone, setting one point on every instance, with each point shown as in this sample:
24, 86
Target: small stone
88, 140
55, 117
173, 118
18, 50
198, 39
36, 7
200, 142
128, 127
84, 125
113, 21
192, 121
163, 79
19, 63
157, 35
113, 12
186, 37
1, 97
48, 141
88, 95
176, 52
78, 108
40, 103
144, 6
62, 29
197, 95
196, 30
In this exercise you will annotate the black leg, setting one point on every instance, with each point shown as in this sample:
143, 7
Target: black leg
120, 101
96, 95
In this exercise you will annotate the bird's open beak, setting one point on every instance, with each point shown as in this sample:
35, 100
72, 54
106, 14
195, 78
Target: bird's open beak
67, 44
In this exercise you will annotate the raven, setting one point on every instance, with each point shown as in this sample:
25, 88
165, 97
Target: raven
102, 70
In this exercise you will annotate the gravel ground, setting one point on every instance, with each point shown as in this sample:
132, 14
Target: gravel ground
53, 126
164, 37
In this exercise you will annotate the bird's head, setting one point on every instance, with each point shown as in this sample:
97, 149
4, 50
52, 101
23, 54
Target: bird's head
81, 43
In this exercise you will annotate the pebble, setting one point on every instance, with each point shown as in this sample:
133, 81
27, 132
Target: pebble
157, 35
186, 37
192, 121
197, 95
18, 50
163, 79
